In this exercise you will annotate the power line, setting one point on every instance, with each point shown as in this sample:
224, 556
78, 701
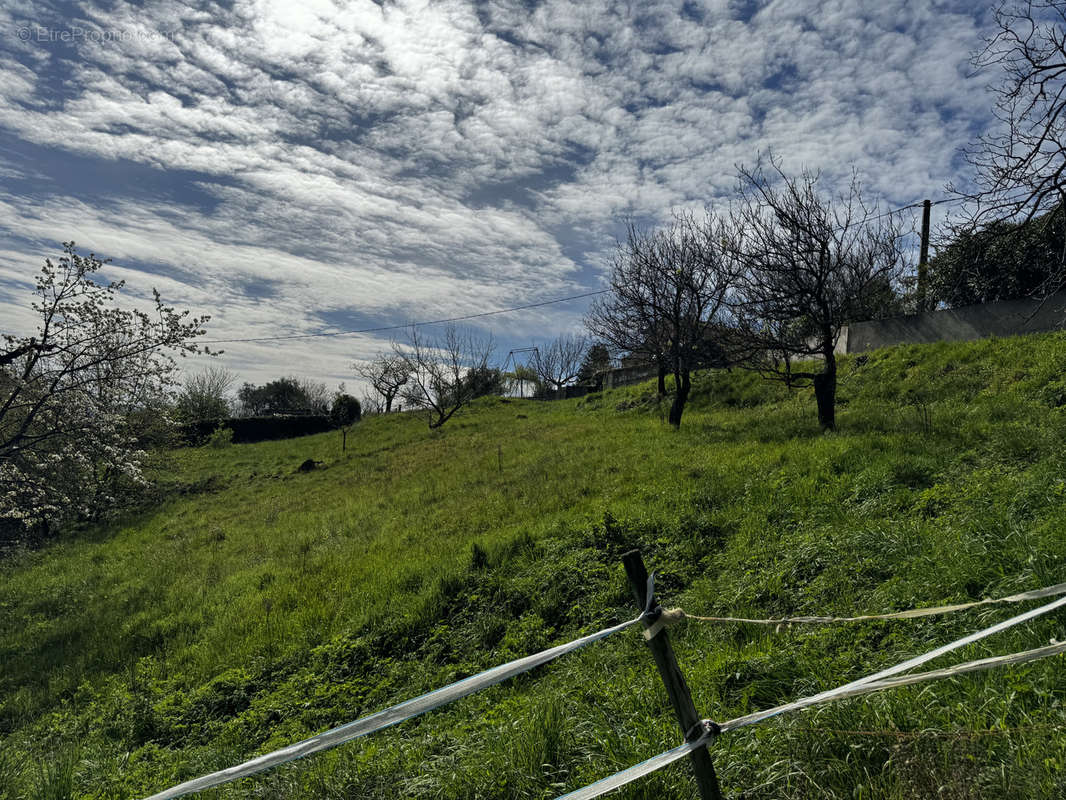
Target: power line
914, 205
894, 211
297, 336
405, 325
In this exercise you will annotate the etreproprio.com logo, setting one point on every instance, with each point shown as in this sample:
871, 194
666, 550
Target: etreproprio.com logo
77, 34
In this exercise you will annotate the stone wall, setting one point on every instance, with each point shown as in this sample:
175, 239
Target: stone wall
1006, 318
568, 392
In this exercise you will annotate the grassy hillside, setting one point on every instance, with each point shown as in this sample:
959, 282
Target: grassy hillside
254, 605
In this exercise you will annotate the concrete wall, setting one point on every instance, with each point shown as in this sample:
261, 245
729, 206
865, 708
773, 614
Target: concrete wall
1006, 318
625, 376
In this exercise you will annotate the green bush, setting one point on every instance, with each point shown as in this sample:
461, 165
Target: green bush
220, 437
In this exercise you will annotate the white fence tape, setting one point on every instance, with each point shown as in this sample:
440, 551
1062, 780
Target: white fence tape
427, 702
936, 674
620, 779
384, 719
871, 683
831, 694
914, 613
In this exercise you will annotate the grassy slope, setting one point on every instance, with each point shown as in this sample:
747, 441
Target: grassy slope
256, 606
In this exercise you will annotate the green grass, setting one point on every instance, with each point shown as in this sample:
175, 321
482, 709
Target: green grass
253, 605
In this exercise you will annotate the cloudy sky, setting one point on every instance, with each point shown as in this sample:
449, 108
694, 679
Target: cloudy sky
296, 167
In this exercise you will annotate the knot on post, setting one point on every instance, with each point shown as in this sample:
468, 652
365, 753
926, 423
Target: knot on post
703, 729
666, 619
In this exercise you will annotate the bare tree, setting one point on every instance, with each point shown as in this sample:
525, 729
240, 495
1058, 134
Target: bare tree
668, 299
371, 404
631, 316
810, 265
317, 396
440, 368
558, 363
1021, 163
387, 374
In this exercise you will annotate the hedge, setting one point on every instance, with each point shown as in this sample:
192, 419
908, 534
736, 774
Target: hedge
258, 429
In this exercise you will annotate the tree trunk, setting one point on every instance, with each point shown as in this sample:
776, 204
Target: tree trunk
825, 392
662, 378
683, 384
388, 403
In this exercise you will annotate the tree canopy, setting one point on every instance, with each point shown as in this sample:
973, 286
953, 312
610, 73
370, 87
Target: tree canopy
597, 360
79, 397
1002, 260
203, 395
290, 395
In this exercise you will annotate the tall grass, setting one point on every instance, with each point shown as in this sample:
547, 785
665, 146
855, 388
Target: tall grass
254, 605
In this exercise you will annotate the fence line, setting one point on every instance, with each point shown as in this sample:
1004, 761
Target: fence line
871, 683
620, 779
674, 615
751, 719
427, 702
888, 733
394, 714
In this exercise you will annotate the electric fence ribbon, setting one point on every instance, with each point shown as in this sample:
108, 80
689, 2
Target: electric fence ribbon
455, 691
871, 683
394, 714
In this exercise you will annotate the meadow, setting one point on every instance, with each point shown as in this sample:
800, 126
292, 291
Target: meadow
250, 605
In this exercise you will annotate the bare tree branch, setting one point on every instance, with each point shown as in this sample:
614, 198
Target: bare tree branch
387, 374
668, 299
559, 362
810, 266
439, 371
1020, 164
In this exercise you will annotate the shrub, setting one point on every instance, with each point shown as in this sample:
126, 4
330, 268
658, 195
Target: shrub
220, 437
259, 429
345, 411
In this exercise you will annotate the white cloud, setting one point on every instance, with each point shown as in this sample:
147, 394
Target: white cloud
420, 159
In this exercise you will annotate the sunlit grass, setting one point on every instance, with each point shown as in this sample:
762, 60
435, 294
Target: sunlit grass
254, 605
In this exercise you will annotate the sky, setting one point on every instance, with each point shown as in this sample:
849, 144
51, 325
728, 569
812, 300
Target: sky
302, 167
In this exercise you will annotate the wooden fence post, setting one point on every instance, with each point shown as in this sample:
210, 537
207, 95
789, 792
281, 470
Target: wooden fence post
676, 688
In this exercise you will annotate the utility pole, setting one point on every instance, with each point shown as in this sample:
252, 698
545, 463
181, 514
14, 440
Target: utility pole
923, 261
